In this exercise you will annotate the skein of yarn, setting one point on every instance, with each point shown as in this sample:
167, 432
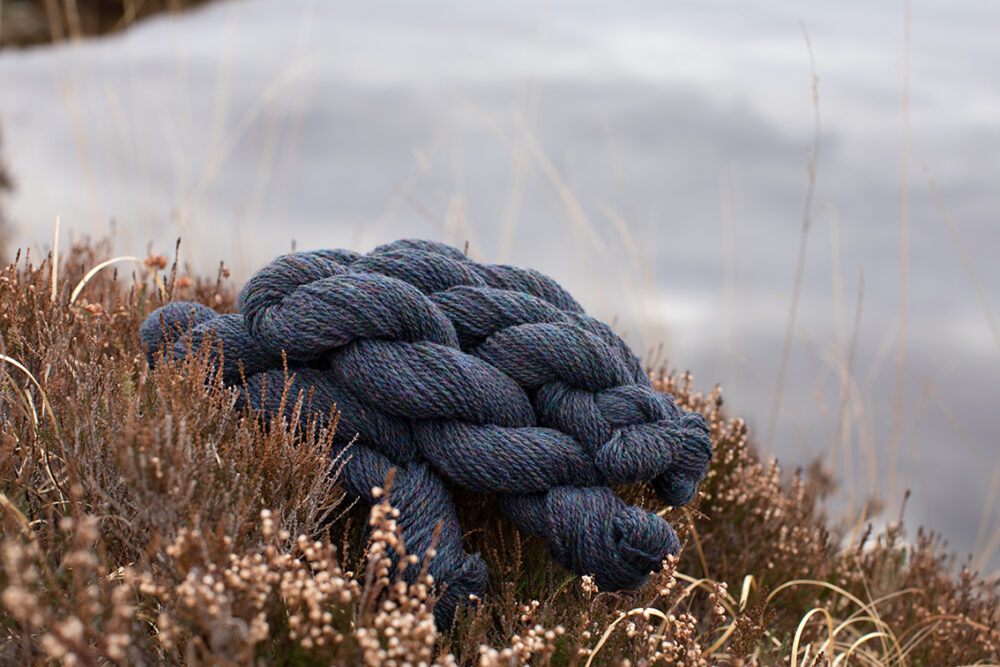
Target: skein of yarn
490, 377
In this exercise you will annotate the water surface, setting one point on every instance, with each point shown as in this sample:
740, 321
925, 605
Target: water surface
652, 159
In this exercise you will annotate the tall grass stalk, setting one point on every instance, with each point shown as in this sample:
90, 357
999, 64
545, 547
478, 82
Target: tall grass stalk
811, 164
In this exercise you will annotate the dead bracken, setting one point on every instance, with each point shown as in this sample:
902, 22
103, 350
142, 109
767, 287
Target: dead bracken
145, 520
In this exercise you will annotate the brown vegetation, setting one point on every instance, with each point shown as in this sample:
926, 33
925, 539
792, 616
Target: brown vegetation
144, 520
29, 22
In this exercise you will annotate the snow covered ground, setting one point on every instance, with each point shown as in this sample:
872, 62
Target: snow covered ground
651, 158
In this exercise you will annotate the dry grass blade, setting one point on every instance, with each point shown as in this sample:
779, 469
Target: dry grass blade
704, 583
94, 271
47, 407
966, 258
811, 165
639, 611
827, 645
55, 261
859, 615
844, 658
697, 542
748, 583
21, 520
904, 251
26, 404
45, 399
820, 584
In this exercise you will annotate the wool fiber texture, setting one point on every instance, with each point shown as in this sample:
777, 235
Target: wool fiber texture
490, 377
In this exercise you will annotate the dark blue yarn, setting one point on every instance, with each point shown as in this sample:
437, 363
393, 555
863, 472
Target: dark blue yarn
490, 377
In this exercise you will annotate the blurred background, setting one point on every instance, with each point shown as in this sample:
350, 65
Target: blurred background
797, 201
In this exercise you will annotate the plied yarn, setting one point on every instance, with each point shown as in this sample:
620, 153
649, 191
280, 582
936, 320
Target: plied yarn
490, 377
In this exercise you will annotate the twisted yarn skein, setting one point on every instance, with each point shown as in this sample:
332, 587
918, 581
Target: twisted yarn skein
490, 377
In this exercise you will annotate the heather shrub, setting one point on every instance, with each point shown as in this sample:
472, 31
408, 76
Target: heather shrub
146, 520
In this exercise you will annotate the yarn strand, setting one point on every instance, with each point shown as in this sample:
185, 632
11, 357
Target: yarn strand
484, 376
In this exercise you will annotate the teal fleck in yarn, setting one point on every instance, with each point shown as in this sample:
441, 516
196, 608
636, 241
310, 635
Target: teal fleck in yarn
490, 377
